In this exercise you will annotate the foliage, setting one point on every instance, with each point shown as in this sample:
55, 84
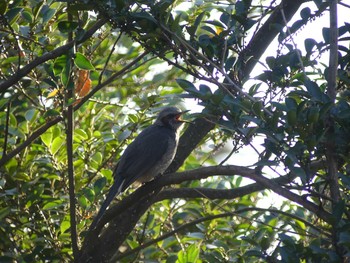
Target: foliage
115, 63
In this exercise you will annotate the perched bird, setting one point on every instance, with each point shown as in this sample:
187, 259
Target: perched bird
147, 156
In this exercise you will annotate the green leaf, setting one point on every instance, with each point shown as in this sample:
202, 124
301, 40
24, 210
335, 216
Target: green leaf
82, 62
286, 239
83, 202
99, 185
65, 225
107, 173
47, 13
59, 64
305, 13
4, 212
187, 86
97, 157
46, 138
300, 173
314, 90
326, 34
51, 113
53, 204
190, 255
28, 16
3, 6
80, 135
309, 44
89, 194
31, 114
13, 14
66, 26
21, 176
56, 145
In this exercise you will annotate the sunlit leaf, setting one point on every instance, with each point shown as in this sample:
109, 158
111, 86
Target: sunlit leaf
52, 205
65, 225
82, 62
56, 144
47, 138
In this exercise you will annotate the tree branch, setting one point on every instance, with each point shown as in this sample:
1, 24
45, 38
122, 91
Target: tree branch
331, 151
56, 120
331, 91
192, 136
263, 38
123, 217
69, 140
250, 56
49, 55
8, 108
29, 140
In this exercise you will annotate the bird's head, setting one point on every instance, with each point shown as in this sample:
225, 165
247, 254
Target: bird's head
171, 117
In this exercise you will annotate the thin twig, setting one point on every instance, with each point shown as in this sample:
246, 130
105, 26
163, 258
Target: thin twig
294, 44
108, 58
18, 46
69, 141
8, 108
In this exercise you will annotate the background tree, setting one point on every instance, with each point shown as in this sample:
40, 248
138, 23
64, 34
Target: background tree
79, 79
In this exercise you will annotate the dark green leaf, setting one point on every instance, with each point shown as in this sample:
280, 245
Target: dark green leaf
309, 44
314, 90
28, 16
326, 32
66, 26
4, 212
305, 13
3, 6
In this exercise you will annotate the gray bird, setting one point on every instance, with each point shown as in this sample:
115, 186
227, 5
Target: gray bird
147, 156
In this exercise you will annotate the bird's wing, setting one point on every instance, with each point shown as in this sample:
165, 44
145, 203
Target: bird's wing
143, 154
139, 157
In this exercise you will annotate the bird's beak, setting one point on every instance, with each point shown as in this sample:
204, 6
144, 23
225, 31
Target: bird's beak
180, 114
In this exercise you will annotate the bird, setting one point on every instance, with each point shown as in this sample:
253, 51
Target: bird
148, 156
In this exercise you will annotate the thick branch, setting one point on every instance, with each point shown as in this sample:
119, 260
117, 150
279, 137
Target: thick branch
331, 91
208, 193
128, 211
193, 135
331, 152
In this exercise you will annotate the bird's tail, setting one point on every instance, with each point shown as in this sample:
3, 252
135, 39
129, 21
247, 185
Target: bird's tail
115, 190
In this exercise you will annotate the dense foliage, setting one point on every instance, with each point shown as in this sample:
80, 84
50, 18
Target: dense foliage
78, 81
